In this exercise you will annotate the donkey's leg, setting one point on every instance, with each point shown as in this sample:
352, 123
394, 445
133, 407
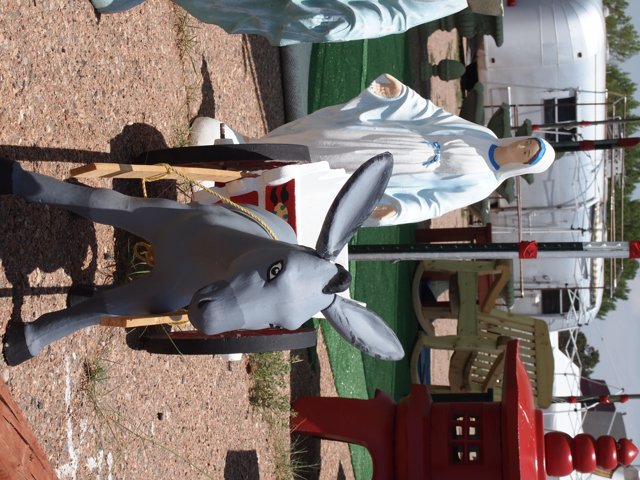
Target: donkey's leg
24, 340
140, 216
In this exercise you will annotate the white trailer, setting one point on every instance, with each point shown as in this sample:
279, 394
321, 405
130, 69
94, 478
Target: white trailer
551, 68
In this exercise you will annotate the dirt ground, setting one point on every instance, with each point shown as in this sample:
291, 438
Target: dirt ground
76, 89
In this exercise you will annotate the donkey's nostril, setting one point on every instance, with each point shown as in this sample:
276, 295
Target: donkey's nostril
339, 282
203, 302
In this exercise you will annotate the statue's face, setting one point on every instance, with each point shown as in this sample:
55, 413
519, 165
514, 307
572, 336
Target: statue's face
521, 151
282, 285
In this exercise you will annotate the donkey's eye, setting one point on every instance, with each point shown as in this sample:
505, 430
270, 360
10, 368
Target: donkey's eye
274, 270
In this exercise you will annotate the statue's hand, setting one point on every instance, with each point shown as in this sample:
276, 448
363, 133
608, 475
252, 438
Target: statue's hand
391, 89
382, 212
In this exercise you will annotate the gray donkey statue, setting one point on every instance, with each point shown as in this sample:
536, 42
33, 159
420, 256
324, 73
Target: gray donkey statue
217, 260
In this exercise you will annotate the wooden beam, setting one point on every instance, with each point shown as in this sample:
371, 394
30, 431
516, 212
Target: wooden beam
120, 170
175, 318
21, 456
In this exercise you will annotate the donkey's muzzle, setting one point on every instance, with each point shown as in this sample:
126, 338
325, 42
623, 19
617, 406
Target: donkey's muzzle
339, 282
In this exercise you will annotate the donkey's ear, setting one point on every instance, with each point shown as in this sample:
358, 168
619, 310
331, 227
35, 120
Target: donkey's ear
363, 329
354, 204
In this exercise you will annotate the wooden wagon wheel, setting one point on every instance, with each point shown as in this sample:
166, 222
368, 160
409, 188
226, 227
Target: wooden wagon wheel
160, 339
248, 156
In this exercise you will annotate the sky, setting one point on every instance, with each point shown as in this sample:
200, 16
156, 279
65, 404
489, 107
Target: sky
618, 336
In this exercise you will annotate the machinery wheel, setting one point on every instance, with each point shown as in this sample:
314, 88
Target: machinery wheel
193, 342
245, 156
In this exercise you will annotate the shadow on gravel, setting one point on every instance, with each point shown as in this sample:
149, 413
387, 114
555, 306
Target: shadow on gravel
257, 58
40, 237
305, 381
241, 465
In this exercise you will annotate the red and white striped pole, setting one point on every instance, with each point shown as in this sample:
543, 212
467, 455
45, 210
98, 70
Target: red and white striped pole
494, 251
584, 123
585, 145
603, 399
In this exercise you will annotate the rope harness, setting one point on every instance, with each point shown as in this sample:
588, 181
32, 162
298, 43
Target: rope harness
143, 251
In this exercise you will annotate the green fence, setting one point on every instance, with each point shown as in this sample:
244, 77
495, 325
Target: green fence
338, 73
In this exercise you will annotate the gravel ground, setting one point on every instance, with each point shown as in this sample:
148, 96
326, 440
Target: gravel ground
77, 89
74, 90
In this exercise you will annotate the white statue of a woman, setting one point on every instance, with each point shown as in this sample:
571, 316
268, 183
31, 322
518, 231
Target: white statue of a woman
441, 161
285, 22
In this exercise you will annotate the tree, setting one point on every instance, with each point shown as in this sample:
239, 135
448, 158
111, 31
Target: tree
623, 38
623, 43
588, 355
619, 82
629, 270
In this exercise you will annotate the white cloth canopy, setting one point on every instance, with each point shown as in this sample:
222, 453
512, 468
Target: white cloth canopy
423, 185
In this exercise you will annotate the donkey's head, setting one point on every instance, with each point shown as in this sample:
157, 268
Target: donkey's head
285, 285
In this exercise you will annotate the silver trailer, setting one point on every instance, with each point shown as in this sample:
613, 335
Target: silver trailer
551, 68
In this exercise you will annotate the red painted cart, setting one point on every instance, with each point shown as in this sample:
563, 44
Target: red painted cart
458, 440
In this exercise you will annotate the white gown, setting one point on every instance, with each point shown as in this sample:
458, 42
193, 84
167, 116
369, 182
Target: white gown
285, 22
422, 186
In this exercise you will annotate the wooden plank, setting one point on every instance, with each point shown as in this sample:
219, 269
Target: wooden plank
436, 312
459, 370
22, 456
511, 318
482, 267
467, 314
495, 373
544, 364
120, 170
176, 318
468, 343
496, 287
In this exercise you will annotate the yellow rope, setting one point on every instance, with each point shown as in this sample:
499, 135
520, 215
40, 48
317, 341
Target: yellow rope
154, 178
143, 252
182, 311
170, 169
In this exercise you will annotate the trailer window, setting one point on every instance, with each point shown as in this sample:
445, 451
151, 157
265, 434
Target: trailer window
559, 300
558, 110
567, 111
